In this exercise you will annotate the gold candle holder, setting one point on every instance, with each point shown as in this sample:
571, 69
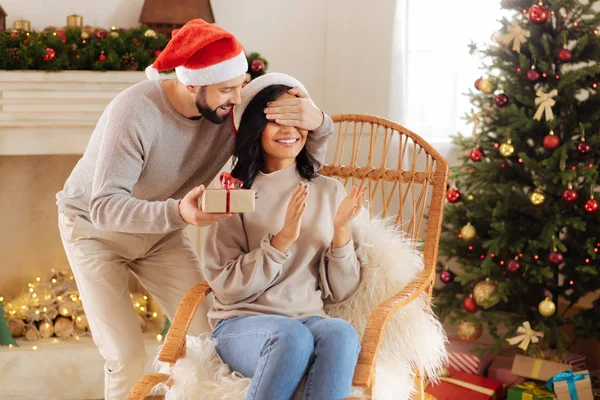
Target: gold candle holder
74, 21
22, 25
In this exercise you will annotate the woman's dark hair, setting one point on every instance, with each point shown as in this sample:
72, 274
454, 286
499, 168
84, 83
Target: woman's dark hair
248, 155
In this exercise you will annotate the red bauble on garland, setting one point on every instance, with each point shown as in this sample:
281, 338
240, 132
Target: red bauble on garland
14, 35
533, 75
476, 154
551, 141
538, 14
50, 54
584, 147
591, 206
556, 258
565, 55
501, 100
470, 305
453, 195
101, 34
570, 196
513, 266
477, 82
102, 57
447, 276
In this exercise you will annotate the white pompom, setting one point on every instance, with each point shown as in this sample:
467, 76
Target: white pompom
152, 73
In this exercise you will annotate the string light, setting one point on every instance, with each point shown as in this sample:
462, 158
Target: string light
34, 348
470, 248
520, 161
159, 337
1, 299
502, 262
575, 24
536, 257
595, 85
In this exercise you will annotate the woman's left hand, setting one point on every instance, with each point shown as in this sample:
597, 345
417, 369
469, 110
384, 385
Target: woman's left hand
350, 207
299, 112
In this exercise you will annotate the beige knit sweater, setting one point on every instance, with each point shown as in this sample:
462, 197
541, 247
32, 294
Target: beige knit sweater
250, 277
144, 156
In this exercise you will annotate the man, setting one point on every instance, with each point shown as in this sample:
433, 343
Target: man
155, 148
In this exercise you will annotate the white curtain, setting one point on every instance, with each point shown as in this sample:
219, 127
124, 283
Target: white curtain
431, 65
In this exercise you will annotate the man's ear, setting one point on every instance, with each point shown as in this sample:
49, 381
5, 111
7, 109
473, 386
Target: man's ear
192, 89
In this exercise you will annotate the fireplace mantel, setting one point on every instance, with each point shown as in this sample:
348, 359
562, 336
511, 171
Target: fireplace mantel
55, 112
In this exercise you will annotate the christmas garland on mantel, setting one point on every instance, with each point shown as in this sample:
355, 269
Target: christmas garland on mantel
91, 49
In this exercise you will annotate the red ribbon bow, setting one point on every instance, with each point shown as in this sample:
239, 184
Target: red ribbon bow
229, 183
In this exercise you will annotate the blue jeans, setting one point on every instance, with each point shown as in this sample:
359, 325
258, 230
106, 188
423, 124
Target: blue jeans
276, 352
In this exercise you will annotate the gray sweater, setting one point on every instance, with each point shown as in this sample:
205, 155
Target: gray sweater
250, 277
144, 156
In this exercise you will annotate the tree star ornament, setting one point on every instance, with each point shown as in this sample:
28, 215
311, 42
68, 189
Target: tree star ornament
517, 35
527, 335
545, 101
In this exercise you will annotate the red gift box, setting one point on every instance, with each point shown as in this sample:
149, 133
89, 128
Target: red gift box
574, 360
461, 357
463, 386
501, 370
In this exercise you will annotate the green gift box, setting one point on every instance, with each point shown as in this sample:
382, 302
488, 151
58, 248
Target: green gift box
529, 391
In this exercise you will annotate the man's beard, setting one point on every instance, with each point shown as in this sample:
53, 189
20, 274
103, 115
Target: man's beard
208, 112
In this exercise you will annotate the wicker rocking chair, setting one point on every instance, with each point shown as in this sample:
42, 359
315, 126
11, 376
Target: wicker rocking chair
406, 176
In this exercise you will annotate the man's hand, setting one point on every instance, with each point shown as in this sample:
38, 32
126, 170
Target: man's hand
189, 211
299, 112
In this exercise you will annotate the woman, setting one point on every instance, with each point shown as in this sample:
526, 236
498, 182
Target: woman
271, 270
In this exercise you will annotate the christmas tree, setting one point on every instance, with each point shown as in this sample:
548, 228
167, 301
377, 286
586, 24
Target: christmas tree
5, 334
522, 227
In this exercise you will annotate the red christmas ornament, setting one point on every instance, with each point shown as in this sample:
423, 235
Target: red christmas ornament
584, 147
157, 52
501, 100
62, 36
551, 141
591, 206
447, 276
14, 35
101, 34
50, 53
476, 154
556, 258
513, 266
477, 82
533, 75
102, 57
257, 66
565, 55
570, 196
453, 195
470, 305
538, 14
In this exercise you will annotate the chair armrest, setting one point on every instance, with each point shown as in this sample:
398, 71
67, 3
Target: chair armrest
174, 346
371, 342
145, 384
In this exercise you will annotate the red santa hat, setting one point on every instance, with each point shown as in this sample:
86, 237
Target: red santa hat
201, 54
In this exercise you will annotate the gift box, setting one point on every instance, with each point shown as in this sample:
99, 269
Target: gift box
501, 370
462, 358
461, 386
537, 368
571, 385
224, 201
529, 391
575, 360
229, 198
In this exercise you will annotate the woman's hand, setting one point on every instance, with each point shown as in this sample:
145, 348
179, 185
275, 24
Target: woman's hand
293, 218
350, 207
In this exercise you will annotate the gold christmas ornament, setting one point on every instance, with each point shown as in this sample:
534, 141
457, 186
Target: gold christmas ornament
507, 149
46, 329
487, 85
470, 197
85, 35
469, 330
114, 34
537, 198
81, 322
444, 372
486, 293
468, 232
547, 307
150, 33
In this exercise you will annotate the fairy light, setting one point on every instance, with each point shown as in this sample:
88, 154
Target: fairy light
557, 76
590, 165
1, 299
502, 262
575, 24
595, 85
482, 257
596, 32
496, 145
536, 257
492, 255
521, 255
53, 280
587, 260
34, 348
10, 346
30, 290
574, 168
159, 337
470, 248
518, 69
38, 279
520, 161
571, 282
154, 314
524, 11
460, 235
544, 74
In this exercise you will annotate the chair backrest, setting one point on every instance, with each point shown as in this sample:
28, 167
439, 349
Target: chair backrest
406, 176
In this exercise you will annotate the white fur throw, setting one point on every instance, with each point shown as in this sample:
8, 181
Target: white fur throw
414, 336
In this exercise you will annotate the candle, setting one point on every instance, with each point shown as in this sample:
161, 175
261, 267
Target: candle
22, 25
74, 21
